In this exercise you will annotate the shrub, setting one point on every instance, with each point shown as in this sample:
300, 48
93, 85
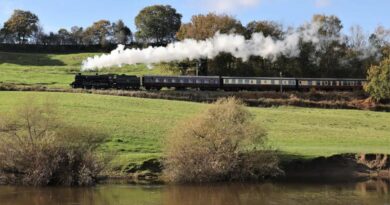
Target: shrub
378, 85
223, 143
37, 148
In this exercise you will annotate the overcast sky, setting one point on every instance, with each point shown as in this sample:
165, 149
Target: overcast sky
55, 14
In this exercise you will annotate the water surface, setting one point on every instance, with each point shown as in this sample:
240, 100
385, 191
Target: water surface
370, 193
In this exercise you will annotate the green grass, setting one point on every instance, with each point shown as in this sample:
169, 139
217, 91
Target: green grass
138, 126
55, 70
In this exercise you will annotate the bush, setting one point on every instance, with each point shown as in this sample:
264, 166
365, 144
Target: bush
223, 143
378, 85
37, 148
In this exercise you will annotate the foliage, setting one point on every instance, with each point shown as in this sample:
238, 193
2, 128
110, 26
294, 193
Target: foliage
39, 149
205, 26
268, 28
223, 143
21, 24
378, 85
98, 33
158, 24
122, 33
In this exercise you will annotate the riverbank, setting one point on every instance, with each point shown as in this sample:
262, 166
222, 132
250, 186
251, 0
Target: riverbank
314, 99
341, 167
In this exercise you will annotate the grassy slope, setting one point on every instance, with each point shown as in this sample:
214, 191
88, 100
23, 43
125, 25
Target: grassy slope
54, 70
137, 126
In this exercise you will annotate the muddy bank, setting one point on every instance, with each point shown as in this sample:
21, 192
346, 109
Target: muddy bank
339, 167
343, 167
315, 99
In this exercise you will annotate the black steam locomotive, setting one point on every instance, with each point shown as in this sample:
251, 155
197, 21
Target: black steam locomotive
152, 82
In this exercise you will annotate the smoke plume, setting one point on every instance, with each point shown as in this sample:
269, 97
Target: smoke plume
237, 45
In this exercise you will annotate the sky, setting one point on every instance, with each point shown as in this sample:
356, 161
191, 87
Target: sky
56, 14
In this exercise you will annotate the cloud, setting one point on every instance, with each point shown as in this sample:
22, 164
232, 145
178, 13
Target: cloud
230, 5
322, 3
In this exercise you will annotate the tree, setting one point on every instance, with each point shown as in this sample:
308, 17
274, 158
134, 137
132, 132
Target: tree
329, 26
222, 143
37, 148
64, 37
98, 33
268, 28
2, 35
76, 34
202, 27
324, 58
51, 39
378, 85
39, 35
157, 24
22, 24
122, 33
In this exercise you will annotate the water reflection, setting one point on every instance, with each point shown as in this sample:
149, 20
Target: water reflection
370, 192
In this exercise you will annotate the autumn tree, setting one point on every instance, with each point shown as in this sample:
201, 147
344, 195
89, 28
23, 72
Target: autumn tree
122, 33
268, 28
157, 24
98, 33
205, 26
378, 77
222, 143
21, 25
202, 27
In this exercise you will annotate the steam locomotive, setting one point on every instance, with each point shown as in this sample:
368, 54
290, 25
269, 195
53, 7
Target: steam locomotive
155, 82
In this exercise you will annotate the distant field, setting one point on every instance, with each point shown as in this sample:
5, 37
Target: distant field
137, 126
54, 70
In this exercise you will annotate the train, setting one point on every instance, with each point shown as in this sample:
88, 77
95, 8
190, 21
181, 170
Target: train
212, 83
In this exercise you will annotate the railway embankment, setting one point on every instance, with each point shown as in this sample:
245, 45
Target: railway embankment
315, 99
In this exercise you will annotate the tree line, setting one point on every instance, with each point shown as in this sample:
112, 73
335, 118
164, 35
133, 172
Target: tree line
335, 55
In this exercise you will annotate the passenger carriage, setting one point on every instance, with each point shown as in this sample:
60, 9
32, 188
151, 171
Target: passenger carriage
330, 83
258, 83
181, 82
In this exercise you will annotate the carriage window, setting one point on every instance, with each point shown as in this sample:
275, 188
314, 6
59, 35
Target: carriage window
190, 81
304, 82
198, 81
206, 81
181, 81
157, 80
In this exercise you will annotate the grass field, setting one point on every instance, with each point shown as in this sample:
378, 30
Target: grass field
54, 70
138, 126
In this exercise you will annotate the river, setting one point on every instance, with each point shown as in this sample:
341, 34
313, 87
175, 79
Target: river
370, 193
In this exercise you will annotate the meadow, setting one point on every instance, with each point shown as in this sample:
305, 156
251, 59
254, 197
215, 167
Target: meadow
56, 70
137, 127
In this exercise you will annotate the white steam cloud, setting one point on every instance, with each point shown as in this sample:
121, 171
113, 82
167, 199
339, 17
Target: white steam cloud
237, 45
